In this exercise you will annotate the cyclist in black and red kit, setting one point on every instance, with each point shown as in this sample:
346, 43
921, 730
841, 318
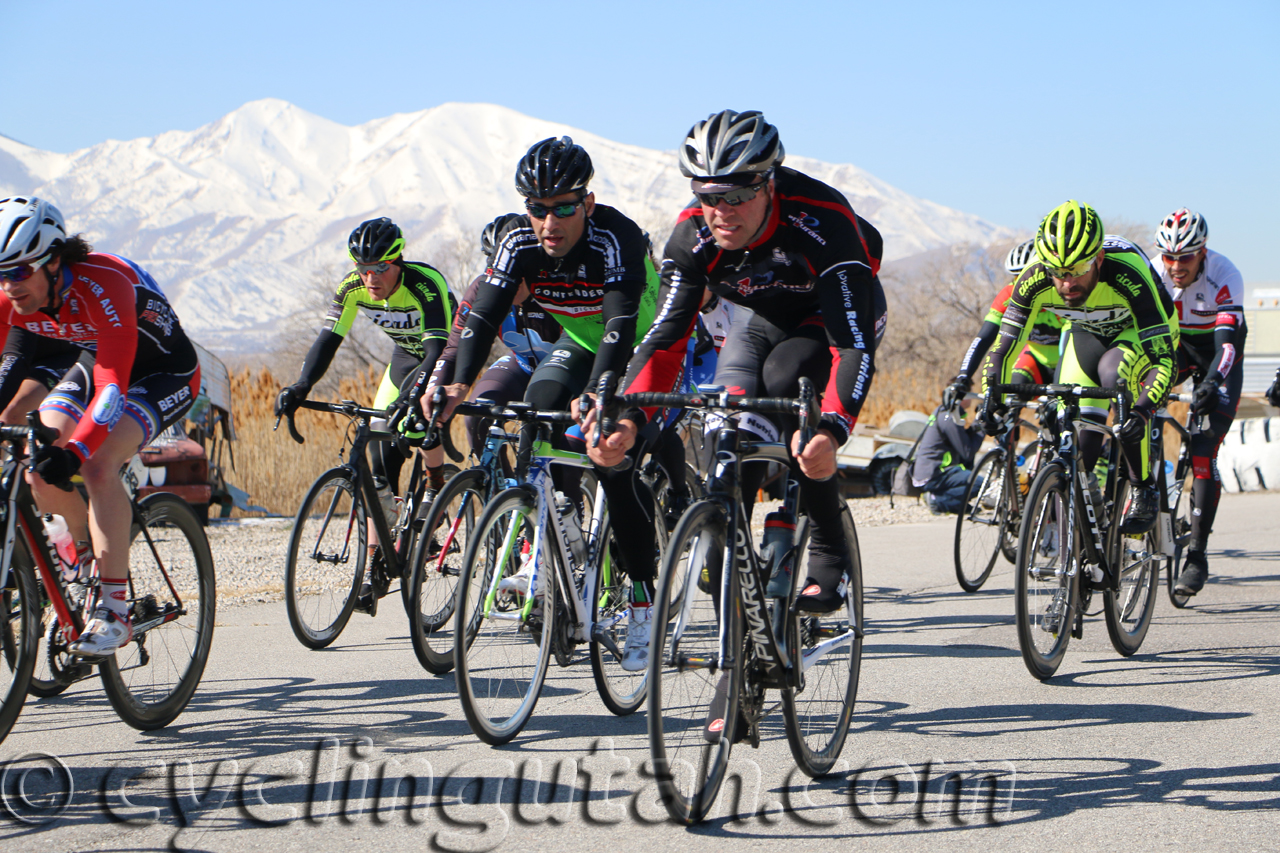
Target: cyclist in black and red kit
792, 249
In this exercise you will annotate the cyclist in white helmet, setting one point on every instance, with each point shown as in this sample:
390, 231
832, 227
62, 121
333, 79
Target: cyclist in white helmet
1208, 293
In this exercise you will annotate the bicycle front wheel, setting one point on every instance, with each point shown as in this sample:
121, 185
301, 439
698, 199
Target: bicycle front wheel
326, 559
829, 647
502, 653
693, 694
1137, 558
20, 600
172, 593
1046, 591
979, 527
1181, 536
437, 564
622, 692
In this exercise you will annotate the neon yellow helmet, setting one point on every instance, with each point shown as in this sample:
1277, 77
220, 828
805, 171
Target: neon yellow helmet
1070, 235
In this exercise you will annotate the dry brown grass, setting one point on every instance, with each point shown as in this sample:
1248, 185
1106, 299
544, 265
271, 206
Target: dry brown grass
269, 465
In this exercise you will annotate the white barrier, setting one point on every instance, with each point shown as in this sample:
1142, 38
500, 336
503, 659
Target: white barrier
1249, 460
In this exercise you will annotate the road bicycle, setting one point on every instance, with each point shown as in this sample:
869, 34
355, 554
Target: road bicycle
1179, 498
572, 590
1070, 545
171, 592
719, 641
327, 558
987, 524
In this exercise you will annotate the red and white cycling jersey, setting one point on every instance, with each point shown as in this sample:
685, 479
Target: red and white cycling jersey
113, 307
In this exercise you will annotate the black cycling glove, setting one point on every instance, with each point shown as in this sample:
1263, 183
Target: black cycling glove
289, 398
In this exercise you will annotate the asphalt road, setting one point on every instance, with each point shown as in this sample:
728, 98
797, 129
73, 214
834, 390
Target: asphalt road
286, 749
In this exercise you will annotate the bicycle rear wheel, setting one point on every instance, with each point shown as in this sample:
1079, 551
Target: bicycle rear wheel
172, 594
693, 702
980, 525
500, 654
437, 564
829, 646
1137, 559
20, 605
1046, 588
326, 560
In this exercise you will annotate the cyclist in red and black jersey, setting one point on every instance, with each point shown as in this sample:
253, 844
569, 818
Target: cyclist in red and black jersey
792, 249
145, 377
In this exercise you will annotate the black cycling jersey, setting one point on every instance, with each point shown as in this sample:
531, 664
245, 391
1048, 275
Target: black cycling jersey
603, 292
815, 260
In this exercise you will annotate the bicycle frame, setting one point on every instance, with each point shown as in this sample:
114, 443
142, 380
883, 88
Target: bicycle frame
535, 457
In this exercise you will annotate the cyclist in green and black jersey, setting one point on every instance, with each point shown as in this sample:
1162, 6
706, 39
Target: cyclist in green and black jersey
410, 302
1120, 323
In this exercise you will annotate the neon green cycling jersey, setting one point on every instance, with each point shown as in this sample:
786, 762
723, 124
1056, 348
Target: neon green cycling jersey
1126, 301
419, 310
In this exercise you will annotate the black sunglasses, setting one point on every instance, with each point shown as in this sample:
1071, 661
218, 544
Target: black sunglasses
733, 197
563, 210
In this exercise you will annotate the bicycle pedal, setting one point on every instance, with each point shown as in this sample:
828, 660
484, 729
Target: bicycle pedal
366, 601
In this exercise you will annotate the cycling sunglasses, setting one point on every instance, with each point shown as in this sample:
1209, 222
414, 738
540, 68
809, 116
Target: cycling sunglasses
1073, 271
563, 210
1185, 256
734, 197
22, 272
378, 268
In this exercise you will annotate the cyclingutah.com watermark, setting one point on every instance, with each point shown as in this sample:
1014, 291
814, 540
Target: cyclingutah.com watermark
475, 805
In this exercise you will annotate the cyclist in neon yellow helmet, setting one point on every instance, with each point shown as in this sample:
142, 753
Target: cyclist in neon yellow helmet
410, 301
1119, 323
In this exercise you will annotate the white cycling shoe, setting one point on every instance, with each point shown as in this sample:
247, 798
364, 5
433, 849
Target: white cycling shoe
103, 635
636, 655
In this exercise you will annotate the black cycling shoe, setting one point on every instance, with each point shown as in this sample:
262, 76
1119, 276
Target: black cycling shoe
819, 597
1144, 504
1193, 576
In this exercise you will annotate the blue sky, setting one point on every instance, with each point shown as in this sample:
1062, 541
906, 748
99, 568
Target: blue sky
999, 109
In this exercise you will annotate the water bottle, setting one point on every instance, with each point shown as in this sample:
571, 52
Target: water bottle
572, 529
779, 536
1174, 487
64, 545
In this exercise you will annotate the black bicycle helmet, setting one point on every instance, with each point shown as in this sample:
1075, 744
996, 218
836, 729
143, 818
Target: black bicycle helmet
376, 240
552, 167
493, 233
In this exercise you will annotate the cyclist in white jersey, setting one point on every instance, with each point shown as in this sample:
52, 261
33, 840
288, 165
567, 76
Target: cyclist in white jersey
1208, 295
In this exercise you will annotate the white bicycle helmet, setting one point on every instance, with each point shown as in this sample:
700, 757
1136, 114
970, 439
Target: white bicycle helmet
730, 143
1182, 231
29, 228
1019, 256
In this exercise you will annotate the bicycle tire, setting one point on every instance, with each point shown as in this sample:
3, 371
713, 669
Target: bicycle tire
1009, 531
1181, 536
21, 601
150, 679
1046, 586
321, 586
407, 541
980, 522
436, 565
1129, 609
693, 704
818, 715
621, 691
501, 658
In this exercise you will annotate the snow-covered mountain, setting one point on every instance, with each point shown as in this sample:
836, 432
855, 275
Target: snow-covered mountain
237, 218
